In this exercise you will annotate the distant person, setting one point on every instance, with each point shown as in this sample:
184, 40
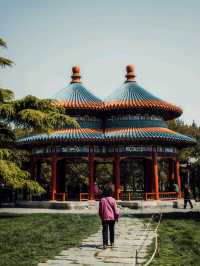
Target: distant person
196, 193
187, 197
109, 214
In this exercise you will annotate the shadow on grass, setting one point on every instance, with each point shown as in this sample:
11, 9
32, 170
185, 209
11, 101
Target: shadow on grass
10, 215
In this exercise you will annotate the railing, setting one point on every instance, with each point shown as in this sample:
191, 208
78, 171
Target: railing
161, 195
150, 196
98, 196
168, 195
127, 196
131, 195
138, 195
62, 196
84, 196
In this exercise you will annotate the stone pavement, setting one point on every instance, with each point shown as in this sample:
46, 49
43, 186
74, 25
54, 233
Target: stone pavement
130, 235
94, 210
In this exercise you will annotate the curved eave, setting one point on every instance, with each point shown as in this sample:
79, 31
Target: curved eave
66, 135
79, 105
152, 135
120, 135
166, 110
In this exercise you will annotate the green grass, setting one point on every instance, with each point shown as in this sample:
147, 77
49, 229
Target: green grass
26, 240
179, 243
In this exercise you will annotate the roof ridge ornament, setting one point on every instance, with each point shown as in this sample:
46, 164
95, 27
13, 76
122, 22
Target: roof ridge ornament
76, 77
130, 70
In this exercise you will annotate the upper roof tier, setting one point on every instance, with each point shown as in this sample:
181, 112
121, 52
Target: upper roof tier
76, 95
131, 96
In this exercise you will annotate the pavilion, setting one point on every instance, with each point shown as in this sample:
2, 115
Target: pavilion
130, 124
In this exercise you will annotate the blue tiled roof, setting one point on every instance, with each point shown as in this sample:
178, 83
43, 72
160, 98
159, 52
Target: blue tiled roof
121, 134
122, 109
64, 135
131, 91
147, 134
132, 96
75, 95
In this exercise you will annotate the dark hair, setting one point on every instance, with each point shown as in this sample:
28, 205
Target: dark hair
107, 192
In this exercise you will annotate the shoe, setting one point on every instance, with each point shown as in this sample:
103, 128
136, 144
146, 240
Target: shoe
104, 246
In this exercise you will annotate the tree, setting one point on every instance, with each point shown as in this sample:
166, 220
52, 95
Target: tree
4, 61
189, 156
189, 130
21, 117
11, 162
29, 115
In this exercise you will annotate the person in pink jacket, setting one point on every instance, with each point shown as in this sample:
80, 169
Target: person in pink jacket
109, 214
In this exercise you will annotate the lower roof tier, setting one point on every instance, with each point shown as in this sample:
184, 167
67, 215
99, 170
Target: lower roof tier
131, 134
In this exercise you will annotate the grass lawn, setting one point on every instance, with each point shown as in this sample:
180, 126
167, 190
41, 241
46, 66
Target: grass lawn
26, 240
179, 242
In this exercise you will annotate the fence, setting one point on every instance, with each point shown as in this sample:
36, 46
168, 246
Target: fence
125, 196
63, 196
130, 195
162, 196
84, 196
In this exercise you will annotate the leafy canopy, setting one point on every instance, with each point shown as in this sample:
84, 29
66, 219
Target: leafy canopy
4, 61
19, 117
36, 115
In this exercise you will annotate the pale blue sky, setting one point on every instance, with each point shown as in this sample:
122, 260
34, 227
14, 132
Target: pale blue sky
162, 38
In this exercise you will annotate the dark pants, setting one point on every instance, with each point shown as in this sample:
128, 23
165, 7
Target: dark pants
106, 225
186, 201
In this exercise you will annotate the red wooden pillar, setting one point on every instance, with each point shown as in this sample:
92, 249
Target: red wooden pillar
155, 174
117, 175
178, 177
91, 175
53, 177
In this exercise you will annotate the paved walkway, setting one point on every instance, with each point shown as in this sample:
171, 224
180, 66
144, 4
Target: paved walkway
130, 235
95, 210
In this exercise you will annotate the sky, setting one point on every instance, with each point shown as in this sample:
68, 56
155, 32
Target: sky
161, 38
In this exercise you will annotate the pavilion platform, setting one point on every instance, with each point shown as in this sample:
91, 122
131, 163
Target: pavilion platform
93, 205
